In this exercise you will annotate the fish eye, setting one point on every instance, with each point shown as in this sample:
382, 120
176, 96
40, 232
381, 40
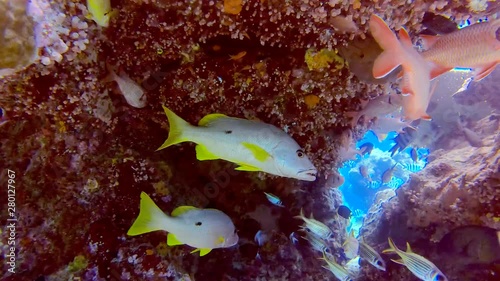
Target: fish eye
198, 223
300, 153
440, 277
327, 250
379, 263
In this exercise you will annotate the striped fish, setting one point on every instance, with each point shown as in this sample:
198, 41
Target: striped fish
317, 243
315, 226
339, 271
402, 140
418, 265
370, 255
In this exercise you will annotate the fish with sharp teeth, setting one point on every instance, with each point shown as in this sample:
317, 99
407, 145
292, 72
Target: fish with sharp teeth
476, 46
203, 229
421, 267
315, 226
370, 255
253, 145
416, 83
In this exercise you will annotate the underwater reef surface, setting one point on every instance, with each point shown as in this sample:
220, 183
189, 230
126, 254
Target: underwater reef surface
81, 155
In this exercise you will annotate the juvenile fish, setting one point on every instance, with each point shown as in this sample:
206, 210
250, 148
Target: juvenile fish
387, 175
363, 170
203, 229
275, 200
253, 145
316, 227
133, 93
370, 255
418, 265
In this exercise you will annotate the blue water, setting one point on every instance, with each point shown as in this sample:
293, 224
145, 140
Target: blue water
359, 192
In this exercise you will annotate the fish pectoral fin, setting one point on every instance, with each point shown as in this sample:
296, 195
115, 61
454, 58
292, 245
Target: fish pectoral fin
202, 153
202, 251
437, 70
384, 64
181, 210
247, 168
172, 240
428, 40
258, 152
481, 72
400, 261
220, 240
210, 118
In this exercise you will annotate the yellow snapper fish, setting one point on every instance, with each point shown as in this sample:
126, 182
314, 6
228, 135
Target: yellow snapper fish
476, 46
316, 227
203, 229
370, 255
351, 246
339, 271
99, 11
253, 145
418, 265
416, 70
133, 93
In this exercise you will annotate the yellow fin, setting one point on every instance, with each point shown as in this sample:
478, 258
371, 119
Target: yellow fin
202, 153
172, 240
210, 118
219, 240
408, 248
247, 168
258, 152
392, 248
181, 210
149, 218
99, 11
202, 251
400, 261
177, 128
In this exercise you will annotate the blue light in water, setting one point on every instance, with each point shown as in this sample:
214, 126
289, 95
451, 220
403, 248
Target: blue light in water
359, 192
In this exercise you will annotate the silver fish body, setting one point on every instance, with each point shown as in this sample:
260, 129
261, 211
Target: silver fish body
315, 226
370, 255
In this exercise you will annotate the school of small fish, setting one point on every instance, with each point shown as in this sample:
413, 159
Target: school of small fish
255, 146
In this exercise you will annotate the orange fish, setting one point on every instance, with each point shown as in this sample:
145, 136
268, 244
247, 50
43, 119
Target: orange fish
476, 46
416, 71
238, 56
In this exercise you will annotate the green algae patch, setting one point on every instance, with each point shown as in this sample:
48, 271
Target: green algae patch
323, 59
78, 263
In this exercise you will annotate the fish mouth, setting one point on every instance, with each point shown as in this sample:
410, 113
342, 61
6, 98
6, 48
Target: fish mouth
307, 175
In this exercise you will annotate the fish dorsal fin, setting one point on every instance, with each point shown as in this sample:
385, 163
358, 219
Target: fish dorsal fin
428, 40
181, 210
408, 248
172, 240
202, 153
258, 152
404, 37
202, 251
210, 118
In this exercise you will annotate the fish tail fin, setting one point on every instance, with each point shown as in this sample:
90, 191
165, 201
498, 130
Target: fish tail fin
392, 247
151, 217
177, 131
389, 59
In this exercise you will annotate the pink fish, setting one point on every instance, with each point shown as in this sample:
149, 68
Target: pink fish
416, 70
381, 126
476, 46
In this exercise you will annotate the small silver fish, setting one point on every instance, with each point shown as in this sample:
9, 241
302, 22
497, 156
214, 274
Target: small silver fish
418, 265
293, 238
414, 154
261, 237
133, 93
387, 175
315, 226
275, 200
363, 170
472, 137
370, 255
